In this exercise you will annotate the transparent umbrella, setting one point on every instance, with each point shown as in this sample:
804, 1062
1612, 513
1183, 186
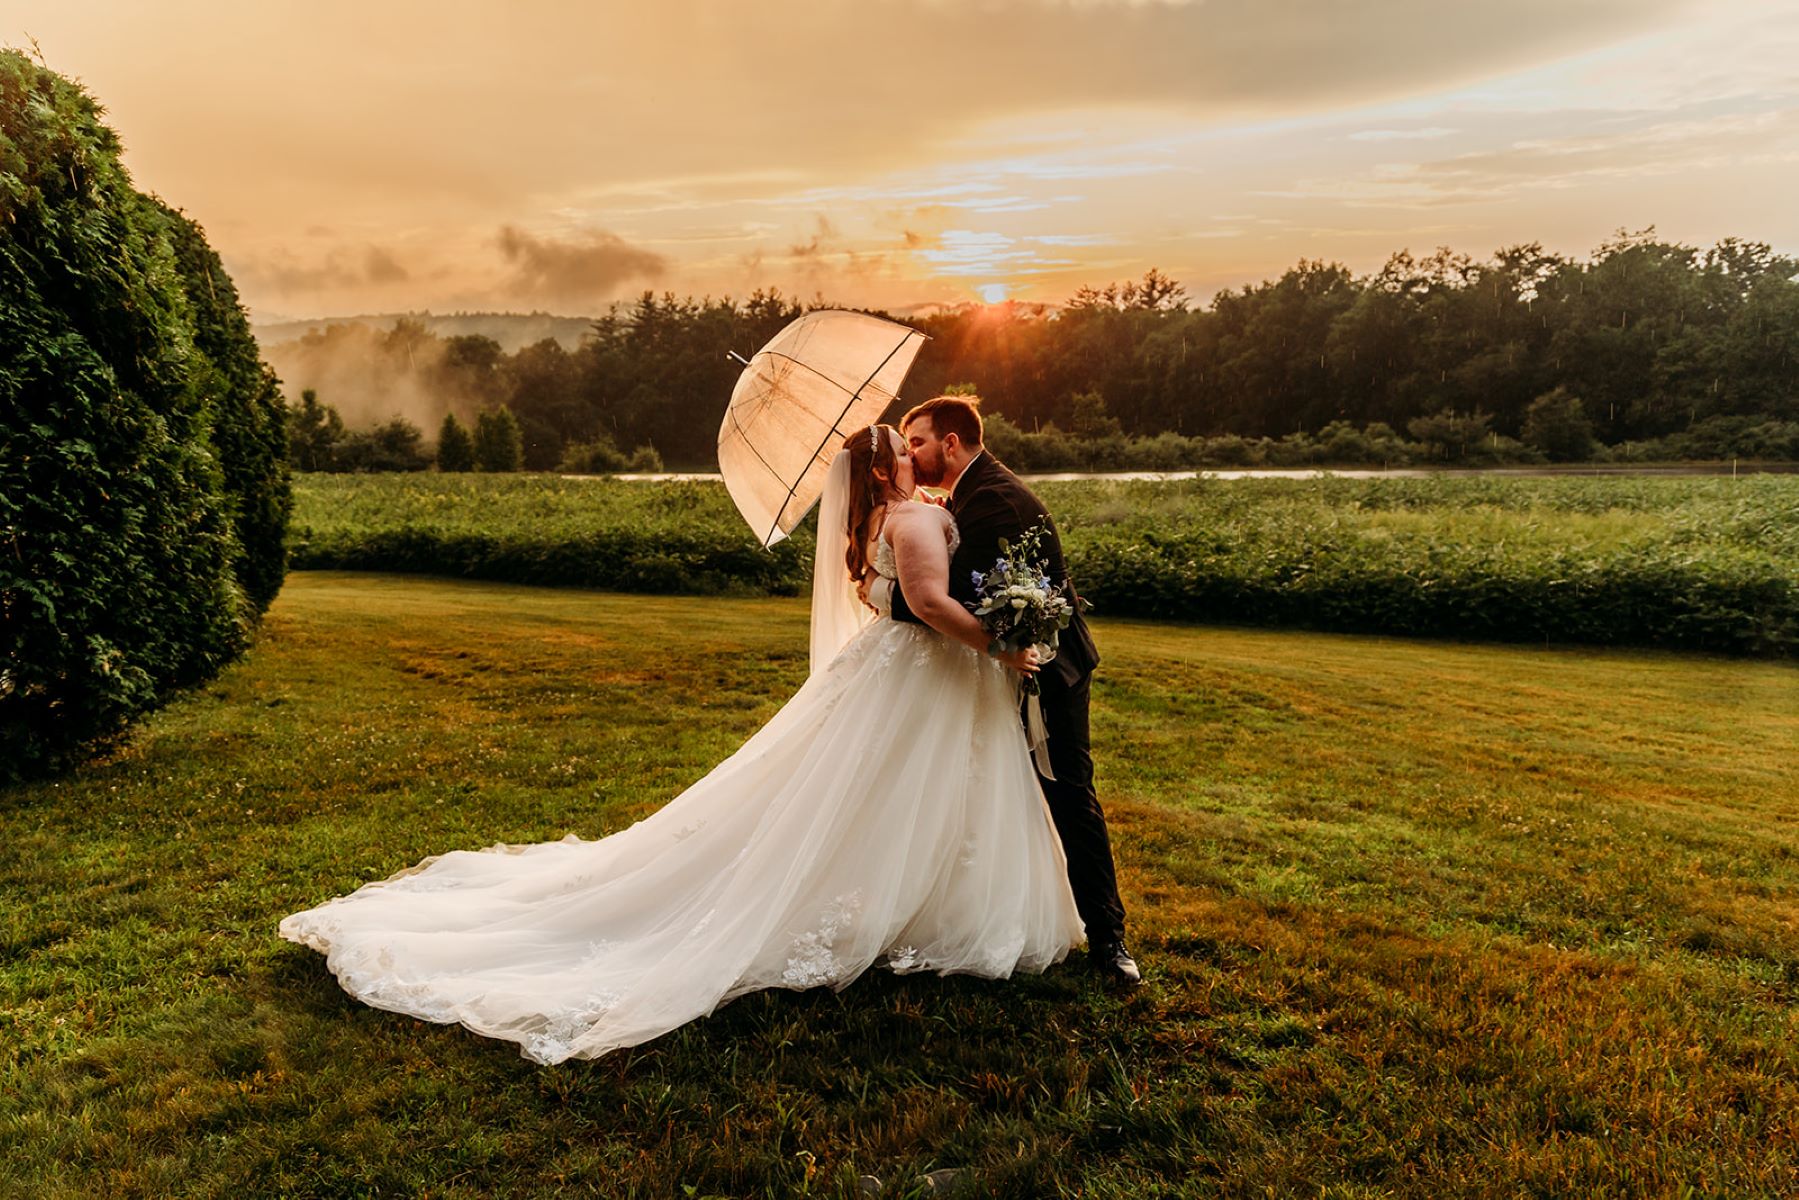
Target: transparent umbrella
824, 375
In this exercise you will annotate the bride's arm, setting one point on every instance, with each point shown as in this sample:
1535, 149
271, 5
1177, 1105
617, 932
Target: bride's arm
922, 556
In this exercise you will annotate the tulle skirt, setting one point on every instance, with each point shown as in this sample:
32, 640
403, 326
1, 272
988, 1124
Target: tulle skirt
888, 814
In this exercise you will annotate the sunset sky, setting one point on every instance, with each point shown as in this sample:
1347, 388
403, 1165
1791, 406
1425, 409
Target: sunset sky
385, 155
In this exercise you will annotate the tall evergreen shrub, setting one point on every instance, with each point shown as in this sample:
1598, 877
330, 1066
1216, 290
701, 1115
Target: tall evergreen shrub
143, 502
249, 416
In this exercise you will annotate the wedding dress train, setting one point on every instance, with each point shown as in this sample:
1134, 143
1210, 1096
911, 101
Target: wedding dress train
887, 814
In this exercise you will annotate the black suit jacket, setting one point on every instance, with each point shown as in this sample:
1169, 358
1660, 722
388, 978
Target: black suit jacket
991, 503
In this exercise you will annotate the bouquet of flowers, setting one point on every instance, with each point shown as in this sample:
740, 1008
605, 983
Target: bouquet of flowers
1017, 603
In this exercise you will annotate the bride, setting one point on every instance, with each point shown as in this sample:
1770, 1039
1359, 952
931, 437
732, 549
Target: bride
888, 813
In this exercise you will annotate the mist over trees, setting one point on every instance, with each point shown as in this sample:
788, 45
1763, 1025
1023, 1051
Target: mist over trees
647, 386
1646, 346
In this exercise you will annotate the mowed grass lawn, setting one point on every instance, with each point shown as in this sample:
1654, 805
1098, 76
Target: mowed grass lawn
1419, 919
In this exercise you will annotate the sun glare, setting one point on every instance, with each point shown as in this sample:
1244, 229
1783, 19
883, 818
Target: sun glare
994, 293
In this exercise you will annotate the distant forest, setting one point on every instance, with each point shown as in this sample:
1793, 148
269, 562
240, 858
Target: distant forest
1644, 342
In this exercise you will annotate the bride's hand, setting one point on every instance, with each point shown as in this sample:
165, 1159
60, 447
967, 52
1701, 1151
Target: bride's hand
1024, 660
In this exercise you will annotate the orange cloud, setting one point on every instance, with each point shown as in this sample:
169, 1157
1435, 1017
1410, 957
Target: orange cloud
582, 272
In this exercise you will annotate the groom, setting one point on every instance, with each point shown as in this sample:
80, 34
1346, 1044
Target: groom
989, 503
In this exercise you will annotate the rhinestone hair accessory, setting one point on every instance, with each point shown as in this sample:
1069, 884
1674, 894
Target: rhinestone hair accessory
874, 439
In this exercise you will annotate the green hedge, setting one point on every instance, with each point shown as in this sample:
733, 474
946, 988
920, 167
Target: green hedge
594, 532
663, 562
142, 499
1713, 601
249, 414
1696, 563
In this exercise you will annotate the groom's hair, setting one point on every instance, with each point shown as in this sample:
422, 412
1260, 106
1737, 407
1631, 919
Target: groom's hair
960, 415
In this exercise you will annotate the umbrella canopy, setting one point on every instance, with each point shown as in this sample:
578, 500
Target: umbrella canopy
824, 375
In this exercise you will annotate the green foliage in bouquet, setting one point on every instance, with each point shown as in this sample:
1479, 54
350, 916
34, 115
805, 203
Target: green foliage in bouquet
143, 490
1017, 602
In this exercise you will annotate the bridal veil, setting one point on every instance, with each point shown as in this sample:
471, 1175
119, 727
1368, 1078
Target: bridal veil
837, 613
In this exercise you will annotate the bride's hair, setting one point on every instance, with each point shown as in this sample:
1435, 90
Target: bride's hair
872, 468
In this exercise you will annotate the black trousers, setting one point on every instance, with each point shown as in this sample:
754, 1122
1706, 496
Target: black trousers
1074, 807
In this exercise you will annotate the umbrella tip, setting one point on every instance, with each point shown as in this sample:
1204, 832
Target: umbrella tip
740, 358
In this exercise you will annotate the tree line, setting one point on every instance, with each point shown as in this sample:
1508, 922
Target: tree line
1645, 349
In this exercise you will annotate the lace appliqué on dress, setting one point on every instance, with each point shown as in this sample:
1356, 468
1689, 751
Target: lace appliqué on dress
903, 958
884, 563
813, 960
562, 1027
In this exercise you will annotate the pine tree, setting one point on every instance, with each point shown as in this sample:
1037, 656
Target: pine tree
314, 433
498, 444
455, 449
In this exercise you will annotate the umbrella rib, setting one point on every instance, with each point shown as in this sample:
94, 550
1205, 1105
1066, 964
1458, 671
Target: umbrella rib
745, 439
782, 511
808, 366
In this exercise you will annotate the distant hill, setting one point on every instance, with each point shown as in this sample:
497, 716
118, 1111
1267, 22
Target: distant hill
512, 330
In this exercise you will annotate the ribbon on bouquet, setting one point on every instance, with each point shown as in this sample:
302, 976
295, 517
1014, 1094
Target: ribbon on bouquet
1038, 734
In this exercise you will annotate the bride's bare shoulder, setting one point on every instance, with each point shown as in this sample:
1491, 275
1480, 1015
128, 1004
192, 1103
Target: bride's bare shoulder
919, 515
916, 510
918, 525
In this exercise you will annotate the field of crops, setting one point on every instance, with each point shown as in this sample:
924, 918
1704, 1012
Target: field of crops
1698, 563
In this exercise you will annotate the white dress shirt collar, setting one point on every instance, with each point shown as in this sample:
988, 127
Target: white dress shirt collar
964, 475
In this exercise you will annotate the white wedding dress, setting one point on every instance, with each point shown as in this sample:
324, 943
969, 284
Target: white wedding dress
888, 814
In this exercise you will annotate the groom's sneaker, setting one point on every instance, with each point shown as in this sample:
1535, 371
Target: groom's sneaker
1114, 965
